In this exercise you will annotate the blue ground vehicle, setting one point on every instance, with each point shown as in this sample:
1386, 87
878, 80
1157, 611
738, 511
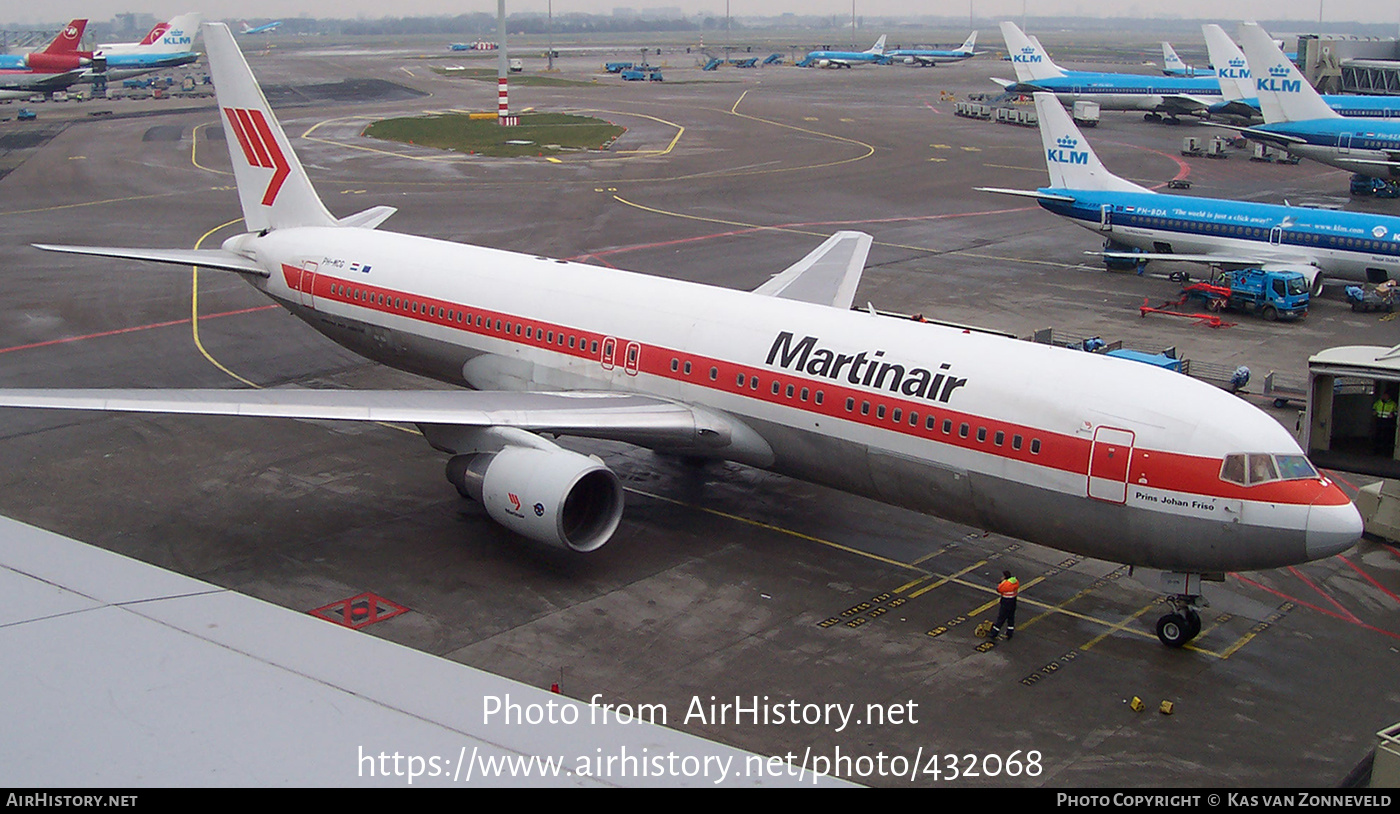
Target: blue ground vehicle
1270, 294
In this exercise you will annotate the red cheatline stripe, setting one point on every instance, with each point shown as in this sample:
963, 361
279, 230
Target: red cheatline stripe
1295, 600
1178, 472
1368, 578
281, 169
242, 135
255, 139
133, 329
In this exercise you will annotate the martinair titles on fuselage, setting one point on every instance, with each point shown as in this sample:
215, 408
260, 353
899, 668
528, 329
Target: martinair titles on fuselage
865, 369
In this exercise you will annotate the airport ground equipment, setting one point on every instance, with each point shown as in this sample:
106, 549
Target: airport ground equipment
616, 67
713, 64
26, 115
1191, 146
1218, 148
1086, 114
1272, 295
1338, 430
1379, 187
1166, 309
1379, 504
1377, 298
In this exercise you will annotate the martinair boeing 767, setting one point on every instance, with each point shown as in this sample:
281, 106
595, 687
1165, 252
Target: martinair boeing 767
1099, 456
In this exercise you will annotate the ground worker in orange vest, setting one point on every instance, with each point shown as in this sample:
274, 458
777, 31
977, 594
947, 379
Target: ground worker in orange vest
1006, 613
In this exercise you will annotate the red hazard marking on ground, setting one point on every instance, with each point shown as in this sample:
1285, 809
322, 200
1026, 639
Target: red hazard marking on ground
359, 611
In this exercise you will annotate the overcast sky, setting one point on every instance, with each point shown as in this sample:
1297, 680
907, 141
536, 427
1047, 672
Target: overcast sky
1384, 11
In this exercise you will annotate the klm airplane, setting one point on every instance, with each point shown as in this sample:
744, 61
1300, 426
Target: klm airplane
1237, 86
1173, 66
1299, 121
1157, 95
845, 59
930, 58
168, 45
1139, 224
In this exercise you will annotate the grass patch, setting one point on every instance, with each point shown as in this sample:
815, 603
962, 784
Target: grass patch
522, 79
548, 133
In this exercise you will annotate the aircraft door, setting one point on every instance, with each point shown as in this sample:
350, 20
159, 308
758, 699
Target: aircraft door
633, 360
307, 287
609, 353
1109, 455
1276, 236
1106, 218
1344, 143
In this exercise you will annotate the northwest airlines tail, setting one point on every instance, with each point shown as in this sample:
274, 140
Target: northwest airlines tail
1284, 94
1028, 57
272, 186
68, 39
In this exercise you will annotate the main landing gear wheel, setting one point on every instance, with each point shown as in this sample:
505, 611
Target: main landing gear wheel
1180, 626
1174, 630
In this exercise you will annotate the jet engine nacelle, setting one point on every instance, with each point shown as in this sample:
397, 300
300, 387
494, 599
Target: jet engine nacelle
823, 63
556, 497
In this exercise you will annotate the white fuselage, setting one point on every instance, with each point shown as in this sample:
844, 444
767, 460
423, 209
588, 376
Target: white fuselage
1081, 452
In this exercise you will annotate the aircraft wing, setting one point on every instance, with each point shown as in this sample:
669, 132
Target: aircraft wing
204, 258
40, 81
827, 276
636, 419
1223, 260
1186, 103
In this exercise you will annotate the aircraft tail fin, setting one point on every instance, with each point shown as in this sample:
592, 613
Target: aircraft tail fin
1171, 63
1230, 64
176, 36
273, 188
878, 47
67, 40
1070, 160
1028, 57
1284, 93
970, 44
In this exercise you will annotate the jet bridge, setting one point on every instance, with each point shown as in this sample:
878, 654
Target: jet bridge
1340, 429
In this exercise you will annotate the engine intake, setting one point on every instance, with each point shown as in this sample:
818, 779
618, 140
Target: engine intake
556, 497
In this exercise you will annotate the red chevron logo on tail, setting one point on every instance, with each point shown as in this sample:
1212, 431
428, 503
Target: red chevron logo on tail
259, 147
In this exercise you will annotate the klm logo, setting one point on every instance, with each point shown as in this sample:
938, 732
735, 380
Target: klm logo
1064, 152
1277, 81
1236, 70
1027, 55
177, 38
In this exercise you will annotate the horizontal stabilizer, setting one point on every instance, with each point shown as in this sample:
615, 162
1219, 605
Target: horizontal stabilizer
1028, 193
204, 258
827, 276
368, 219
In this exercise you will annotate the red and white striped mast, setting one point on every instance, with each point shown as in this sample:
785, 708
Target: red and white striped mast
503, 116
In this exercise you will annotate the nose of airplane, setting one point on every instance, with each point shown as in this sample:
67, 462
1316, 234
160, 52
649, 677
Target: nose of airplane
1332, 529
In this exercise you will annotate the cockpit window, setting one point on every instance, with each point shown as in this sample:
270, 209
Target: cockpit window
1295, 467
1262, 469
1256, 468
1233, 470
